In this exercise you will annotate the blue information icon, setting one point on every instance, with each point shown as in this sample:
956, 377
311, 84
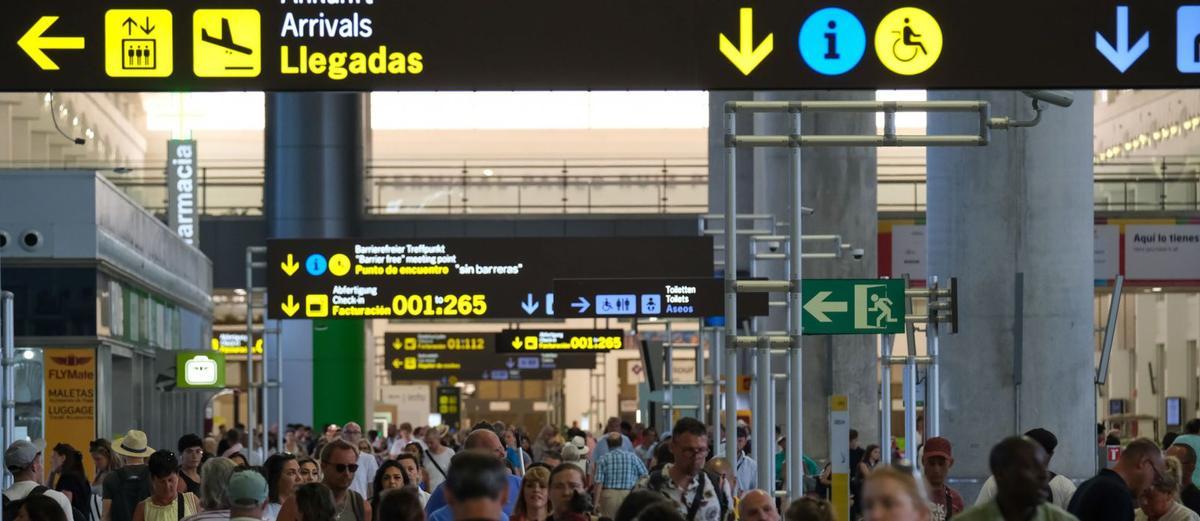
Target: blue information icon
832, 41
316, 265
1187, 52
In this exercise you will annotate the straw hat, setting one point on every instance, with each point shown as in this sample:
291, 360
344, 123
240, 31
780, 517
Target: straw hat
133, 445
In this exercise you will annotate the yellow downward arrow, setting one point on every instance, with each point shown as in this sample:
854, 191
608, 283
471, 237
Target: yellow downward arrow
33, 43
291, 306
290, 266
746, 56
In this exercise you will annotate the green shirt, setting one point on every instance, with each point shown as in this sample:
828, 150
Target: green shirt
990, 511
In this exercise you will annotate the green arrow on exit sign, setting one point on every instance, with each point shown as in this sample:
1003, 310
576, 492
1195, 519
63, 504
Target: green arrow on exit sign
853, 306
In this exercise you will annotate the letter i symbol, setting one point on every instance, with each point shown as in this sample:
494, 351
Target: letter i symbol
831, 42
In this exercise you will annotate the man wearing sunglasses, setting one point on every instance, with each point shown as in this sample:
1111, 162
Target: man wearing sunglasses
339, 462
1109, 495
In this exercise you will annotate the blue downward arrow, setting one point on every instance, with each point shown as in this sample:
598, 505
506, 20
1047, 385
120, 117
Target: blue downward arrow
530, 305
581, 305
1122, 56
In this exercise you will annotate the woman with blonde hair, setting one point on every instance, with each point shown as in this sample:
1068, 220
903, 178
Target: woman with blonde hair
892, 495
1160, 502
533, 503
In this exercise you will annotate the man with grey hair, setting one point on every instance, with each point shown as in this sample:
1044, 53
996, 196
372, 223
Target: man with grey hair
367, 464
214, 490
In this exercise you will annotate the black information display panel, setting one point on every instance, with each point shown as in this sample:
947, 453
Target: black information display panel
426, 279
648, 298
470, 356
363, 45
560, 341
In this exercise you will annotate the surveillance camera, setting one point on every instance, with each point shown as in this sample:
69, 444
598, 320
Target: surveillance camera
858, 253
1060, 98
773, 246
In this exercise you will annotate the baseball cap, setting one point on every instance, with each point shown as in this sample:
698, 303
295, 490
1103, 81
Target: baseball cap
1044, 438
247, 489
938, 447
21, 454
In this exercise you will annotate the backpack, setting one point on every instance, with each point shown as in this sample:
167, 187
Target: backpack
658, 480
11, 507
131, 488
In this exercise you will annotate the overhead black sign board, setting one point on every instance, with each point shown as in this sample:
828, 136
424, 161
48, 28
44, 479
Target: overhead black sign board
362, 45
459, 278
679, 297
560, 341
440, 342
470, 356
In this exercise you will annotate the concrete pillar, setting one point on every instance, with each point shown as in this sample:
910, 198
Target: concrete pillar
839, 183
313, 188
1022, 204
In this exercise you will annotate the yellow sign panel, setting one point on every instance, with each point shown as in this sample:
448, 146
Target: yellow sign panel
316, 306
339, 264
138, 43
908, 41
70, 376
226, 43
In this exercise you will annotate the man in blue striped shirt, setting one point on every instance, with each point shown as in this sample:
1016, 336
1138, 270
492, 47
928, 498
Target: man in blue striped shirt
616, 473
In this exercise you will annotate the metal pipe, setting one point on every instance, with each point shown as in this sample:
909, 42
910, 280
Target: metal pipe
885, 401
910, 413
859, 141
9, 357
795, 452
855, 106
669, 377
902, 360
700, 373
279, 444
763, 431
933, 407
717, 349
250, 351
751, 341
730, 285
740, 216
762, 286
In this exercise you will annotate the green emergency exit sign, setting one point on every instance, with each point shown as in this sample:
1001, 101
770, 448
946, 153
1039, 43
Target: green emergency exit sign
853, 306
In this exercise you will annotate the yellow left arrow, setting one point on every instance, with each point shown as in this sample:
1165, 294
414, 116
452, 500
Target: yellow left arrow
34, 43
291, 306
290, 266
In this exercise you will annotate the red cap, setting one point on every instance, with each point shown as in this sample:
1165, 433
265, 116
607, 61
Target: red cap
938, 447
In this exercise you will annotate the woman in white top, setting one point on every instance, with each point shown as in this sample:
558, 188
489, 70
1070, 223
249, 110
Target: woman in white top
283, 476
1160, 502
437, 456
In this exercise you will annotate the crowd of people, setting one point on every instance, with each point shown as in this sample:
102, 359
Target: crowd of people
494, 472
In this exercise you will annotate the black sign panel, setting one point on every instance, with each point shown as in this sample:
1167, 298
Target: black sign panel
469, 356
644, 298
449, 405
440, 342
560, 340
459, 278
360, 45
